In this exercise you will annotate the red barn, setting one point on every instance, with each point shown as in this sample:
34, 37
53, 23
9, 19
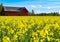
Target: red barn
15, 11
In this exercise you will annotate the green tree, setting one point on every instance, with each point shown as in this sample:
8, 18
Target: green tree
33, 12
1, 8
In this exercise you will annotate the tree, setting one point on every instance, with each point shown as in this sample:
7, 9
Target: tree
33, 12
1, 8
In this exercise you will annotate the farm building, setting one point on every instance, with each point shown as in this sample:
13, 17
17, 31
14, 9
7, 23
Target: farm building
15, 11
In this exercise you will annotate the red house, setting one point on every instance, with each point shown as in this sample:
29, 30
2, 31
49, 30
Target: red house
15, 11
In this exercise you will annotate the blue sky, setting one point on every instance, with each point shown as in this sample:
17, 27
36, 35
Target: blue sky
38, 6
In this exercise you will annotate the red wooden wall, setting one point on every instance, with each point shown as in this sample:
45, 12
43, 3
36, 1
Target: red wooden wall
22, 12
10, 13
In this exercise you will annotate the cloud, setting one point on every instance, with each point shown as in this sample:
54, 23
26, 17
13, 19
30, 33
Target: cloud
40, 5
36, 6
33, 6
53, 7
37, 11
46, 11
49, 7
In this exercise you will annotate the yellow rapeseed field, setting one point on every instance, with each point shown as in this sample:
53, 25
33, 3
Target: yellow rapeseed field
29, 28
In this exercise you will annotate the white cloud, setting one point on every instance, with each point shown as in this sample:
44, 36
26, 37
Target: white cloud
49, 7
40, 6
36, 6
53, 7
33, 6
37, 11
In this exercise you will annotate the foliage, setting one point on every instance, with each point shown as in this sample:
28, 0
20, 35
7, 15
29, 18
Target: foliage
43, 14
49, 14
32, 13
29, 29
1, 8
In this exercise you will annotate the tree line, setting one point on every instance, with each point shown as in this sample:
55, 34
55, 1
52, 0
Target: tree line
32, 13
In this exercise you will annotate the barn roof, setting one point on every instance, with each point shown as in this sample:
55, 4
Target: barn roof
13, 8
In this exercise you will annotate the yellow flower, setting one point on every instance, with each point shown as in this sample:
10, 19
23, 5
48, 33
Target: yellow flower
15, 37
6, 39
35, 40
56, 26
43, 33
48, 38
29, 26
58, 40
11, 30
24, 23
33, 34
51, 33
20, 25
